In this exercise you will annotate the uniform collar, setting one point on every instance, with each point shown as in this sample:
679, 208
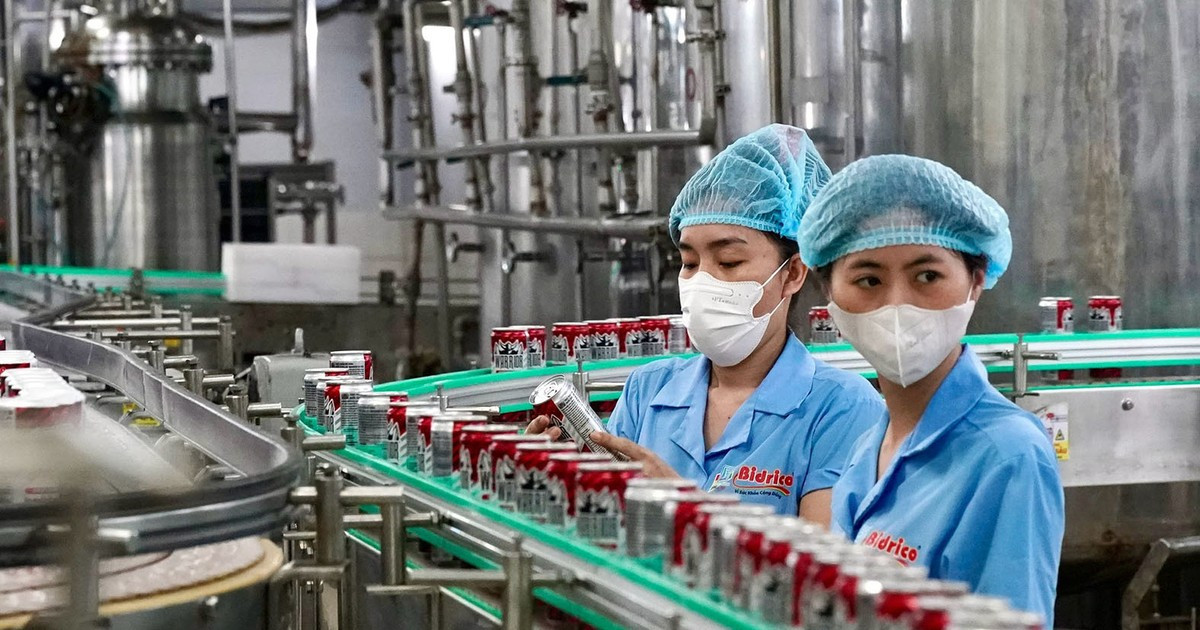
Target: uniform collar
958, 394
783, 389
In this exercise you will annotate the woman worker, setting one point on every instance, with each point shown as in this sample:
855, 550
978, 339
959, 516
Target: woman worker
954, 476
756, 414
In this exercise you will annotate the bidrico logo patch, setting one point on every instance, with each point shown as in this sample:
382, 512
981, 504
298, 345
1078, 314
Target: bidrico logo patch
892, 546
752, 480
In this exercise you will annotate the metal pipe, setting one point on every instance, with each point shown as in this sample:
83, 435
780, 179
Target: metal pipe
391, 543
465, 116
186, 321
637, 141
851, 31
711, 73
213, 381
383, 77
330, 549
249, 122
10, 131
159, 335
304, 70
518, 589
601, 107
225, 352
235, 184
523, 64
641, 229
133, 322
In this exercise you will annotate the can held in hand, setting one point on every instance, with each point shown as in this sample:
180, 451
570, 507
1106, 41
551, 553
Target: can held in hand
569, 341
476, 439
629, 337
536, 346
605, 341
558, 399
562, 471
678, 341
501, 460
446, 440
313, 397
656, 330
375, 416
510, 348
600, 501
532, 481
360, 363
1057, 314
821, 326
1104, 313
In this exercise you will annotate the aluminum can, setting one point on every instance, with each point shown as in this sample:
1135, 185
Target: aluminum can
375, 416
360, 363
629, 336
678, 341
605, 342
332, 402
748, 549
890, 603
769, 589
569, 341
3, 343
536, 346
679, 513
645, 533
600, 501
1104, 313
408, 445
562, 472
845, 606
558, 399
817, 599
475, 440
14, 359
694, 562
500, 458
656, 329
820, 325
520, 418
940, 612
510, 349
532, 481
346, 414
1058, 314
313, 397
446, 441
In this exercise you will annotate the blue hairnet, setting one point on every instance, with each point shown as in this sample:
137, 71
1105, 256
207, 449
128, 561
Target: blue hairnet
763, 181
904, 200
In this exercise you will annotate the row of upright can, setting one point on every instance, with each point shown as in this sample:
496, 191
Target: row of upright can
523, 347
34, 398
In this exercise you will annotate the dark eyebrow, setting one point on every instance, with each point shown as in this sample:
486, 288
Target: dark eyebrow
684, 246
923, 260
866, 264
726, 242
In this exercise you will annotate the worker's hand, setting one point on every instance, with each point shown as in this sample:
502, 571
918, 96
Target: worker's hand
542, 424
652, 465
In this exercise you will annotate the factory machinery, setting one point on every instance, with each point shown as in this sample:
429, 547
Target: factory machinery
219, 512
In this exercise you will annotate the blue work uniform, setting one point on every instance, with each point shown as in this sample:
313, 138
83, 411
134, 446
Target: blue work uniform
973, 493
790, 437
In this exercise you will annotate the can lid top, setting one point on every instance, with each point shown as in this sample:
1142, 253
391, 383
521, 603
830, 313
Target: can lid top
594, 322
1104, 297
460, 418
350, 352
414, 403
349, 380
748, 509
491, 428
654, 317
511, 328
581, 457
522, 437
570, 324
660, 482
700, 496
546, 446
325, 370
612, 466
650, 494
548, 389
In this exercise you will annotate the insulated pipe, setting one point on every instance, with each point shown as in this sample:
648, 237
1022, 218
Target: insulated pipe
10, 131
636, 141
524, 64
712, 75
304, 70
601, 107
638, 229
477, 176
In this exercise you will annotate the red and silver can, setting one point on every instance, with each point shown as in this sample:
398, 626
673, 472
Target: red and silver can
360, 363
12, 359
605, 342
510, 348
894, 599
1058, 314
600, 501
693, 562
817, 600
536, 346
3, 342
678, 341
408, 438
629, 336
475, 441
656, 330
346, 414
941, 612
446, 432
375, 416
1104, 313
532, 476
557, 399
500, 459
820, 325
748, 550
678, 514
420, 427
569, 341
313, 397
845, 603
319, 385
645, 532
769, 590
562, 470
332, 403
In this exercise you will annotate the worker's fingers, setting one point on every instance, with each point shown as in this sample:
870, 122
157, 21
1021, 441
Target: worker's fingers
554, 433
538, 425
621, 445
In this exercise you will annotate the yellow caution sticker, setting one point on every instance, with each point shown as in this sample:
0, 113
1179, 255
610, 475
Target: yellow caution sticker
1055, 420
129, 408
146, 422
171, 344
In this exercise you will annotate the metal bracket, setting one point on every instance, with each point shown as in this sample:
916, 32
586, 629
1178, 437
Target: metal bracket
1021, 356
512, 257
454, 247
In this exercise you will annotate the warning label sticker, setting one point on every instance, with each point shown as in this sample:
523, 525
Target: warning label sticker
1055, 420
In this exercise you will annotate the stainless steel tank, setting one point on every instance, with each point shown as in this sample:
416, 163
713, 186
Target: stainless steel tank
144, 193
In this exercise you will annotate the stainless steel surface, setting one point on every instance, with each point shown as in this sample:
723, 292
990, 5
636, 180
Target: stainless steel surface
627, 228
626, 141
1145, 579
10, 133
304, 76
235, 180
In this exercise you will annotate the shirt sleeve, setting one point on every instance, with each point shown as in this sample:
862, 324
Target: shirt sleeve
833, 438
1009, 540
626, 418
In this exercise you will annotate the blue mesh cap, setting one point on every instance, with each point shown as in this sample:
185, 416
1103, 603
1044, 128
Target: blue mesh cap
763, 181
904, 200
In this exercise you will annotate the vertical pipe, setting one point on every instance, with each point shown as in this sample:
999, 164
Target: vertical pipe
83, 562
186, 346
383, 77
391, 544
851, 20
330, 548
518, 589
235, 184
599, 74
466, 115
774, 57
10, 130
524, 64
304, 69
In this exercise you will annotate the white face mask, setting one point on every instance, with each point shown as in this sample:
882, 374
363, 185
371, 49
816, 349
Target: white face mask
719, 316
904, 343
